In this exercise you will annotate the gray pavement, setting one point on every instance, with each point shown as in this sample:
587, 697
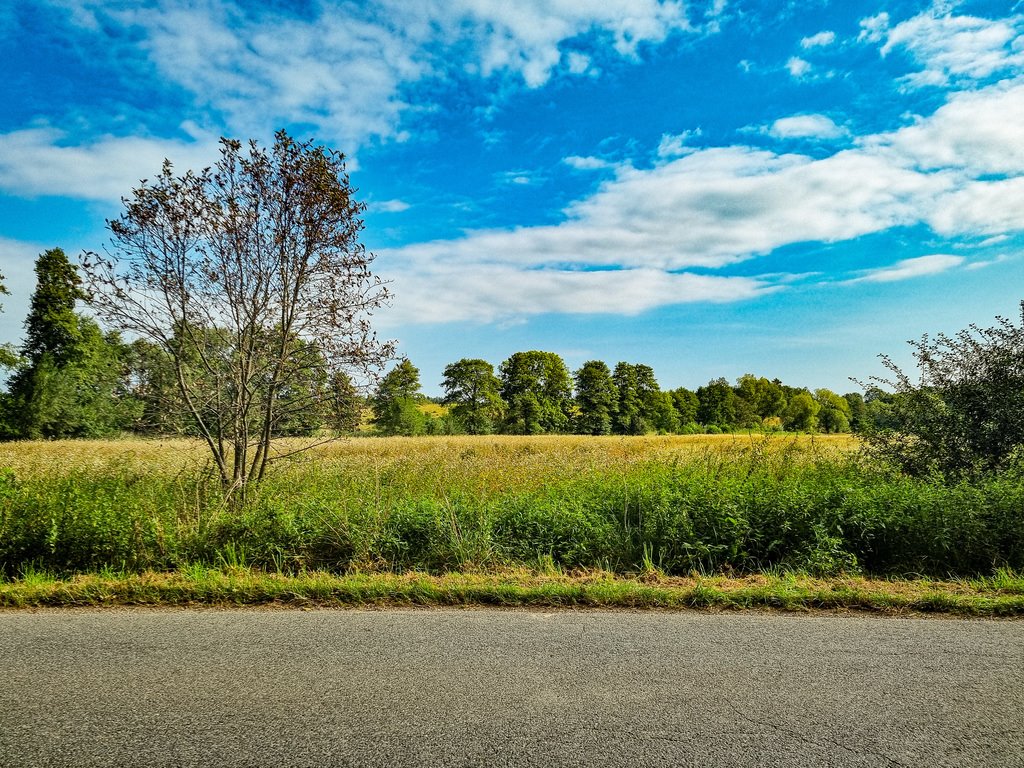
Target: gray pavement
507, 688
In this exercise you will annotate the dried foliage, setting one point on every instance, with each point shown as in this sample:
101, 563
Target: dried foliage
250, 278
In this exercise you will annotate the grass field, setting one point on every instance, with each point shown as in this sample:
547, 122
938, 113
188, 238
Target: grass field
454, 456
647, 509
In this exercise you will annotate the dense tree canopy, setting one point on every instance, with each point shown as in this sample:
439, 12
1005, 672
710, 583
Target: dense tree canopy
473, 392
69, 378
73, 379
801, 413
835, 412
396, 403
596, 399
537, 391
717, 403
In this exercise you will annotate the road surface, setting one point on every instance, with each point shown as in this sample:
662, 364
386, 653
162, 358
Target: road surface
507, 688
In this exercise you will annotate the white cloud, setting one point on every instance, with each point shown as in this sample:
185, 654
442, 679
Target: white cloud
675, 145
950, 47
798, 67
994, 240
980, 131
17, 258
389, 206
806, 127
524, 37
911, 268
346, 70
722, 205
623, 249
340, 73
820, 40
586, 163
520, 178
35, 162
874, 28
439, 292
981, 208
711, 208
578, 63
1000, 259
714, 207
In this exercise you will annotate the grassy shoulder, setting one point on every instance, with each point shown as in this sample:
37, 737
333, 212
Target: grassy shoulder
1001, 595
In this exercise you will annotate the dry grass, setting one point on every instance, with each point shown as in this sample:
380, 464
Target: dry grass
493, 458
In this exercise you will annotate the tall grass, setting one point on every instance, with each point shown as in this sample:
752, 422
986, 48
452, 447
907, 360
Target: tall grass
677, 505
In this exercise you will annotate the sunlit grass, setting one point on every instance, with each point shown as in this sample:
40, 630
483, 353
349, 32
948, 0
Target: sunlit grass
647, 506
504, 457
201, 585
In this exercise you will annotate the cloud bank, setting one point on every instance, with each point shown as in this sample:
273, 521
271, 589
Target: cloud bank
634, 243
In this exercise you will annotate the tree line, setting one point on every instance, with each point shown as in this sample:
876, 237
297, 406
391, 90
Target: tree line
70, 378
535, 393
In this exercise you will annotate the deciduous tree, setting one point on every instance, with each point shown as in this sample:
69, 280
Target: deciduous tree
472, 391
717, 404
537, 391
965, 414
396, 404
835, 412
801, 413
596, 399
686, 403
236, 271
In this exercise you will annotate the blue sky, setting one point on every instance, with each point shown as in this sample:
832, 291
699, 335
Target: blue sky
710, 187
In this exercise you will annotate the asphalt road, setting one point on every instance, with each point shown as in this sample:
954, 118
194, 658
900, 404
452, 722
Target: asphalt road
504, 688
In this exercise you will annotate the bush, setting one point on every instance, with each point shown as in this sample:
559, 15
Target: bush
965, 418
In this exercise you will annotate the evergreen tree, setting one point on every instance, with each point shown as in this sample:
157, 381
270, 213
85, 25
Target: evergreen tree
51, 328
72, 379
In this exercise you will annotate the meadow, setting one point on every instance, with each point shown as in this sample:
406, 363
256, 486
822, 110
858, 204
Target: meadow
675, 506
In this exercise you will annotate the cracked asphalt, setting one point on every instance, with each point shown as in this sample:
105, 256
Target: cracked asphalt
507, 688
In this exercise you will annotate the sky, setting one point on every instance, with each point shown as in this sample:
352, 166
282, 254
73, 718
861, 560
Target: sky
708, 187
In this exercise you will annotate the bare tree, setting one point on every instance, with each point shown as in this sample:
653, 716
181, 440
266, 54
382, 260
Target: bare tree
251, 278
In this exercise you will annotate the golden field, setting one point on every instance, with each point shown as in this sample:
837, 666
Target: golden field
525, 458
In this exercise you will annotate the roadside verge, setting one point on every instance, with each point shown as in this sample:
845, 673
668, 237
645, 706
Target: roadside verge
998, 596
